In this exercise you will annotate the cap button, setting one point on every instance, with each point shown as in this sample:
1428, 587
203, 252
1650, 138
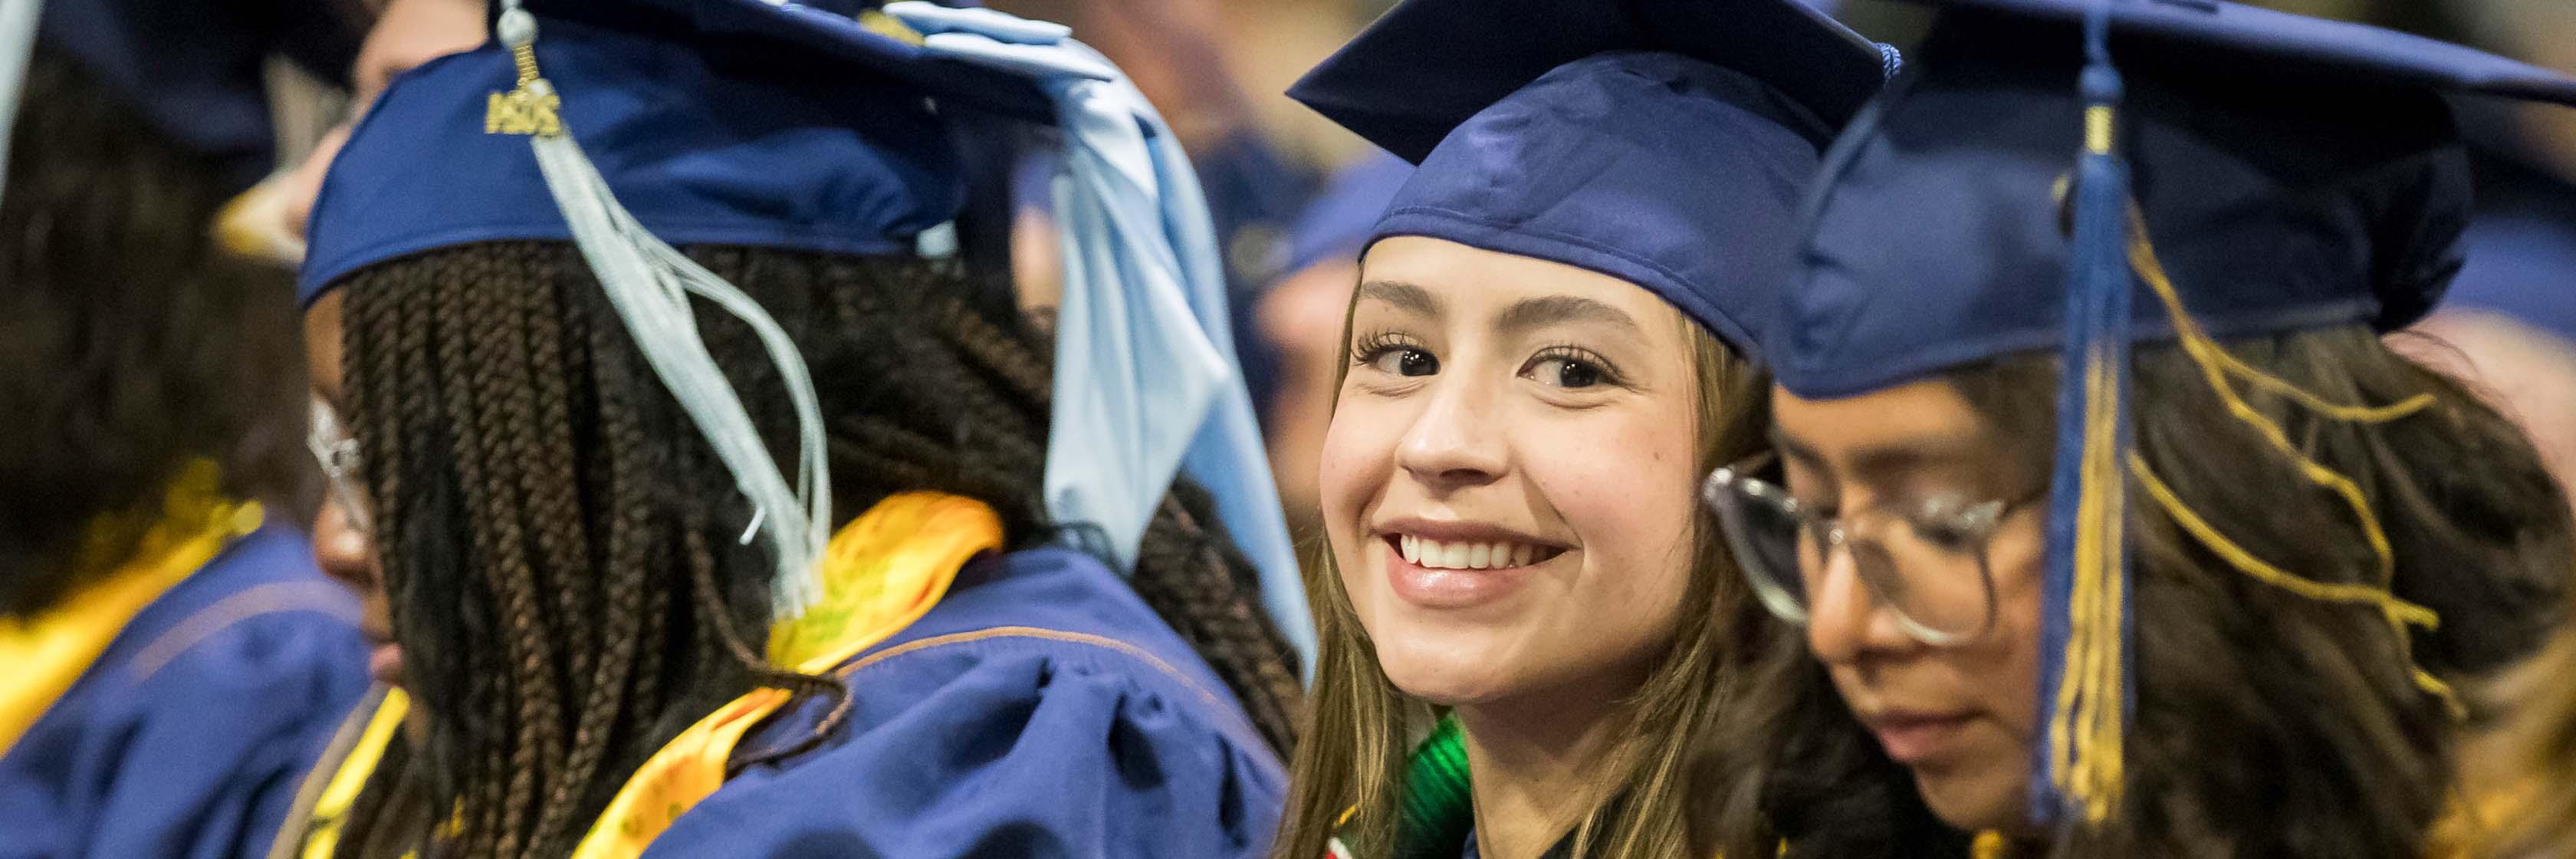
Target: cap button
517, 28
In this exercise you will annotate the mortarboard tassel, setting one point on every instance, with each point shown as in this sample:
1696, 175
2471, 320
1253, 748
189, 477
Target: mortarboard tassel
2084, 692
651, 285
19, 20
2087, 690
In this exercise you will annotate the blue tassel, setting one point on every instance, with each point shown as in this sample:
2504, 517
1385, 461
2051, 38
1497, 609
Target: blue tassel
2085, 692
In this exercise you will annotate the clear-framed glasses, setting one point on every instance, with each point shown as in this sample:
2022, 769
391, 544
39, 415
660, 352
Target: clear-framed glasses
1923, 559
338, 455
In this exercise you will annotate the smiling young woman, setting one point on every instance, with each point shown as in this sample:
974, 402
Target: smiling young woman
1536, 376
1551, 594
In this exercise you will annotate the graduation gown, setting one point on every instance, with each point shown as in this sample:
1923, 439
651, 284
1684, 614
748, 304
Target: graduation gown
1039, 710
1002, 705
186, 736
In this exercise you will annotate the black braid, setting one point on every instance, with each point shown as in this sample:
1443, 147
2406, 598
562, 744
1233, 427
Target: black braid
558, 542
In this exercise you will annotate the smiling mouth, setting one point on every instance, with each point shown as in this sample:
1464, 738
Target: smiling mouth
1464, 555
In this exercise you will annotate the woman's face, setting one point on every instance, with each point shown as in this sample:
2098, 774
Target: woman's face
1960, 716
1508, 478
345, 550
406, 34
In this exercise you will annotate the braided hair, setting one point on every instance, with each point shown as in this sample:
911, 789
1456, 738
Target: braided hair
559, 543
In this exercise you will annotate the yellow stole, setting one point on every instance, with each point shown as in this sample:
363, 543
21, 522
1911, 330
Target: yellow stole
46, 654
881, 572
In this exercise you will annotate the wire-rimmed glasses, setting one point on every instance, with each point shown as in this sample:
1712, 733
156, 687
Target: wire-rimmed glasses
1924, 559
338, 455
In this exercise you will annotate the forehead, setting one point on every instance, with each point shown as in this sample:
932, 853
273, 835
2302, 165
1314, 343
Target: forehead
1927, 416
1469, 281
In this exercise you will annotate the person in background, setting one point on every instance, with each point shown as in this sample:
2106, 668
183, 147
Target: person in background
1549, 342
2113, 527
1293, 353
174, 659
577, 494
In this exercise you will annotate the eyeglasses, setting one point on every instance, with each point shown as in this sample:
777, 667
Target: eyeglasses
1923, 559
338, 455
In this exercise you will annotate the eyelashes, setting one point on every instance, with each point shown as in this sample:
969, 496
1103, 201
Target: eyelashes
1369, 347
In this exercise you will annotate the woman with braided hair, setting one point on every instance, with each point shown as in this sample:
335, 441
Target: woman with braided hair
568, 579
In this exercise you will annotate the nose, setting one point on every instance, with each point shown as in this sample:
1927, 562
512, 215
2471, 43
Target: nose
1451, 445
344, 552
1845, 621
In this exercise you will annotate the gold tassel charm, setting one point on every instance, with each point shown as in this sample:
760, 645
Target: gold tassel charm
532, 108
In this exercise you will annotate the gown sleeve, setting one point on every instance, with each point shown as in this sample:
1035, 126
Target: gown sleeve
1007, 743
193, 747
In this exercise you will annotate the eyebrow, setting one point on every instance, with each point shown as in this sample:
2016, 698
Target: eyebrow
1530, 313
1404, 296
1884, 461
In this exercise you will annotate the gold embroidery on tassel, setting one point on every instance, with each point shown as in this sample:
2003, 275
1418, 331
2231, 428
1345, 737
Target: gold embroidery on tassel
532, 108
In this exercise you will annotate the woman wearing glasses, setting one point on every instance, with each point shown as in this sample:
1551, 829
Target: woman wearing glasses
2207, 598
1542, 361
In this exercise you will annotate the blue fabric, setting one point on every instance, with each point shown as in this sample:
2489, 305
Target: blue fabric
197, 69
1688, 181
1427, 66
189, 736
1079, 725
702, 146
1665, 144
1145, 377
2294, 173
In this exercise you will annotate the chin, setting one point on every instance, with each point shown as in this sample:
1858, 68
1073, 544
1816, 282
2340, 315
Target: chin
1972, 804
1446, 670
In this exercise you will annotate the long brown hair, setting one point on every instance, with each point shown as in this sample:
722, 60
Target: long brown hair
1360, 727
2266, 724
558, 542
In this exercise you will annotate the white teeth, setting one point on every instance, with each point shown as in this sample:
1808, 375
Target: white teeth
1437, 555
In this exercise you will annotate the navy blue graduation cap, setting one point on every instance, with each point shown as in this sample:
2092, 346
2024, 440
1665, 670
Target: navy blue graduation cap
2237, 172
1661, 142
631, 126
195, 70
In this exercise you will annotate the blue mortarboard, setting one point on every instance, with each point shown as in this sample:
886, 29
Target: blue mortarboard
1662, 143
703, 147
196, 70
2313, 158
631, 126
2015, 190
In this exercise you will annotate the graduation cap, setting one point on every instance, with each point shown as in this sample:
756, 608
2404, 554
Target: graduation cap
2238, 172
195, 70
629, 126
1661, 142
